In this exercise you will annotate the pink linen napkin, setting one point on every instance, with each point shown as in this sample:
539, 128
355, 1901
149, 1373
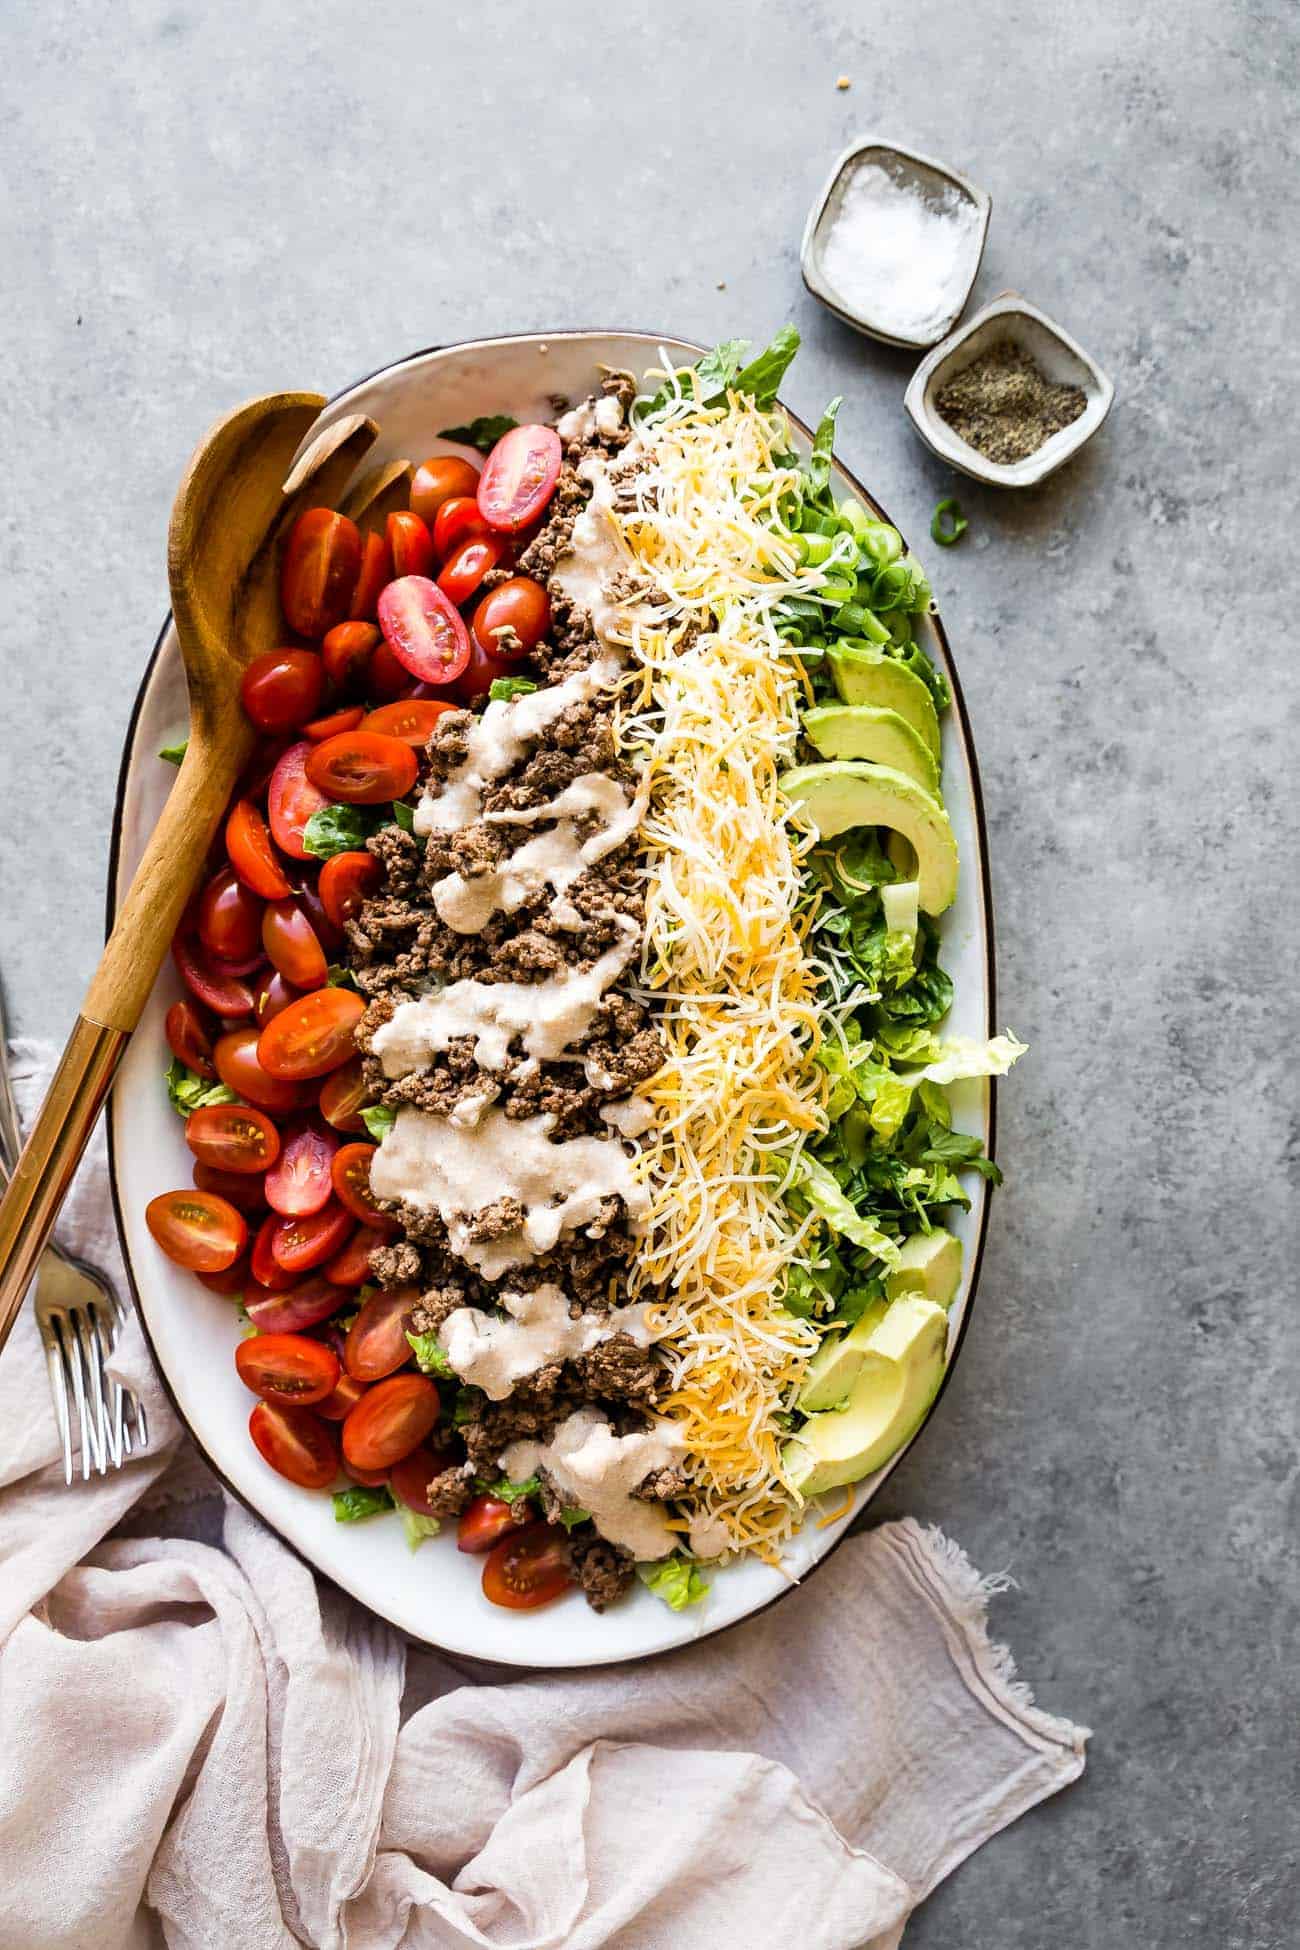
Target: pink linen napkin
205, 1748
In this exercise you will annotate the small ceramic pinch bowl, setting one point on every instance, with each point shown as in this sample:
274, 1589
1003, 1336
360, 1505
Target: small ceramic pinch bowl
911, 171
1062, 359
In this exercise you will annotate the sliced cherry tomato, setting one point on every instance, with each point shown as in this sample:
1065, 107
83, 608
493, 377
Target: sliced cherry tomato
307, 895
198, 1230
188, 1039
437, 480
363, 768
389, 1421
229, 918
312, 1036
291, 799
240, 1189
409, 1479
351, 1174
529, 1568
424, 629
513, 618
462, 572
342, 1096
232, 1281
296, 1443
485, 1521
335, 724
386, 678
273, 994
240, 1069
371, 1478
479, 674
281, 689
232, 1137
267, 1271
351, 1267
348, 878
346, 1394
413, 719
248, 845
290, 941
410, 544
254, 965
322, 560
299, 1245
292, 1309
519, 477
458, 520
346, 651
300, 1180
376, 570
224, 994
377, 1343
287, 1368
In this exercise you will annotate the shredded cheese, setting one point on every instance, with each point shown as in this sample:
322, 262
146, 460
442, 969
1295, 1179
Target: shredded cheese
710, 704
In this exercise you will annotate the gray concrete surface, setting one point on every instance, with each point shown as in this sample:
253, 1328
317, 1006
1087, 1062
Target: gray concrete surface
204, 202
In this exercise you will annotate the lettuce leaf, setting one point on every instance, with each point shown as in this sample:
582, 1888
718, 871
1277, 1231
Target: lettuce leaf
337, 829
379, 1120
507, 687
678, 1580
507, 1492
352, 1505
430, 1356
186, 1091
175, 753
965, 1056
761, 378
416, 1527
817, 1187
482, 433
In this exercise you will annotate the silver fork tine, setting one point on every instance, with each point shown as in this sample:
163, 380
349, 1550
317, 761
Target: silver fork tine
93, 1357
59, 1390
105, 1332
89, 1434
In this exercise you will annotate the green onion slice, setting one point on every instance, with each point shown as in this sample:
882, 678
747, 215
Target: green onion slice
948, 524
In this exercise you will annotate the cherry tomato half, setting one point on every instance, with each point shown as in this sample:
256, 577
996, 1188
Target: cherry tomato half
229, 918
513, 618
197, 1230
410, 544
342, 1096
386, 678
240, 1069
296, 1443
350, 1172
458, 521
424, 629
529, 1568
363, 768
271, 1279
347, 719
232, 1281
312, 1036
308, 898
389, 1421
248, 846
519, 477
300, 1245
291, 799
287, 1368
232, 1137
322, 560
376, 570
299, 1182
290, 940
243, 1190
273, 994
351, 1267
462, 572
291, 1309
479, 674
281, 689
412, 720
343, 1399
348, 879
486, 1521
188, 1039
437, 480
346, 651
377, 1343
409, 1479
224, 994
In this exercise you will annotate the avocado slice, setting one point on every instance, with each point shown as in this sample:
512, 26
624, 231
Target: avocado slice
869, 677
901, 1370
844, 792
928, 1263
834, 1367
867, 731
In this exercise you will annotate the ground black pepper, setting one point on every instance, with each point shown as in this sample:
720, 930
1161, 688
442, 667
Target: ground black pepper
1005, 406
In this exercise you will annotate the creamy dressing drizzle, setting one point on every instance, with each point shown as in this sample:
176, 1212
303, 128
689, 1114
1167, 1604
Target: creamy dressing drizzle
596, 554
548, 1017
598, 1470
438, 1166
494, 1354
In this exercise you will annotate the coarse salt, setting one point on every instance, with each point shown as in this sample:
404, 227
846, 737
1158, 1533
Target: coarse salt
900, 258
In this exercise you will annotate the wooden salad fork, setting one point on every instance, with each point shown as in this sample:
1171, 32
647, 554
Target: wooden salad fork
239, 496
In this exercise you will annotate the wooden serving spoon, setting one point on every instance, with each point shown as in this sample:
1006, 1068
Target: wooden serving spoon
233, 508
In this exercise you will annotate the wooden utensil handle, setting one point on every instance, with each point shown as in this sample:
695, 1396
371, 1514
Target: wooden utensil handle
51, 1156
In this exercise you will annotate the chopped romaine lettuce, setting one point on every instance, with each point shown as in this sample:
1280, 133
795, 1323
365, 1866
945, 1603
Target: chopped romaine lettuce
678, 1580
379, 1120
351, 1505
186, 1091
430, 1356
416, 1527
482, 433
